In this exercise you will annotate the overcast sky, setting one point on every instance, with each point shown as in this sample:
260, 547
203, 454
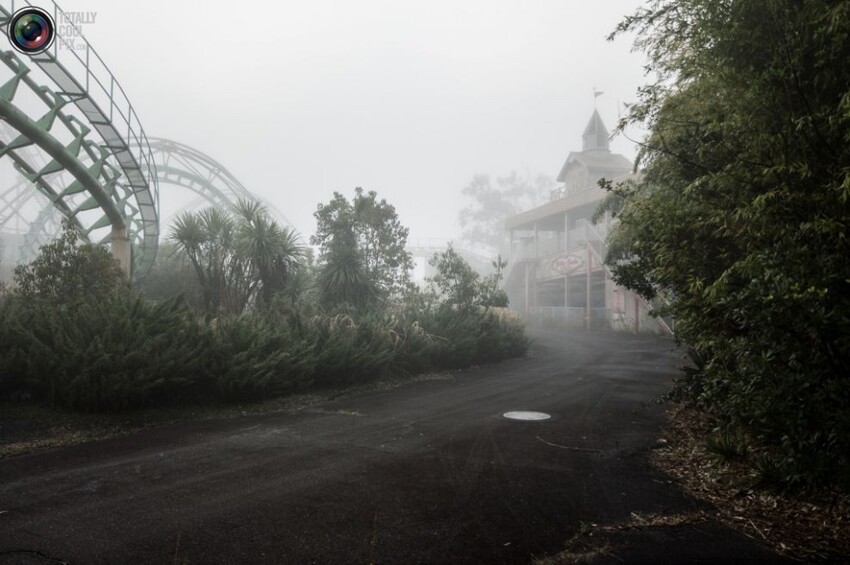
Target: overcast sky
411, 99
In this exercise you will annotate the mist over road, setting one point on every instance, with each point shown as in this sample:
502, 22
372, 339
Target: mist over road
426, 473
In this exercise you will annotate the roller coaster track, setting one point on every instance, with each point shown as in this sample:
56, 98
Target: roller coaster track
87, 154
176, 164
181, 165
100, 170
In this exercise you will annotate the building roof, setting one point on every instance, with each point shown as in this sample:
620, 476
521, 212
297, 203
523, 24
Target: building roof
557, 206
595, 152
596, 160
595, 137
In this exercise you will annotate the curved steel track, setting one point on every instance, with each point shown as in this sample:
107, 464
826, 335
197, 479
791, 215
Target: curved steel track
71, 132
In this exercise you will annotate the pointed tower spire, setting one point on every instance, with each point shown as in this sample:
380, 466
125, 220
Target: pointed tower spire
595, 137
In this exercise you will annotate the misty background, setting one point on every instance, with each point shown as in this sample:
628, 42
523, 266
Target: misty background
410, 99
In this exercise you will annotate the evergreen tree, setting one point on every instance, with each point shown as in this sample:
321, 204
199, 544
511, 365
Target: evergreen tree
367, 241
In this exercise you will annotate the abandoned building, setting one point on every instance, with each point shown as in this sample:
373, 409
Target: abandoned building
556, 274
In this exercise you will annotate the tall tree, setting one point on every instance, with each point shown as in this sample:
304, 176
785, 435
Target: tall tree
364, 235
743, 209
483, 221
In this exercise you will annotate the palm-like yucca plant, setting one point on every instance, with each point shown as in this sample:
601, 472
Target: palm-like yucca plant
206, 237
190, 237
240, 257
272, 251
343, 279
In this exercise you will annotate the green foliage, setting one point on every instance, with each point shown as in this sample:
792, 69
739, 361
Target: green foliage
349, 351
124, 352
258, 359
67, 271
272, 252
727, 446
741, 215
461, 287
206, 238
300, 292
473, 337
412, 345
108, 354
241, 257
362, 250
343, 279
455, 281
466, 315
112, 350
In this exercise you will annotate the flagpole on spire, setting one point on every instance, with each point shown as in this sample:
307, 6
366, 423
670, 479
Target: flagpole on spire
596, 94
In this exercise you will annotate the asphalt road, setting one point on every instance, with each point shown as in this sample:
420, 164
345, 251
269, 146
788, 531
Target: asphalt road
426, 473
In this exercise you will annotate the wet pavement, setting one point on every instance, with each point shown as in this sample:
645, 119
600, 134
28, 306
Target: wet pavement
431, 472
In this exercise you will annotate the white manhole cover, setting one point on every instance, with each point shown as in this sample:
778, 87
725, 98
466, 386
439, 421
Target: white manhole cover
523, 415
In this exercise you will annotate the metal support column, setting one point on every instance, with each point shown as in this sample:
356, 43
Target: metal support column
536, 241
121, 249
588, 265
636, 324
526, 291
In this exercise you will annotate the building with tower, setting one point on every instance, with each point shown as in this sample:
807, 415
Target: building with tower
556, 275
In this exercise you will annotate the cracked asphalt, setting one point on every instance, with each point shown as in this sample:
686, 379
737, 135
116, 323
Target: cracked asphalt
429, 472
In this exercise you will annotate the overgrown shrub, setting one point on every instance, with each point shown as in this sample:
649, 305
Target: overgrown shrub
256, 359
67, 270
124, 352
109, 349
473, 336
111, 354
412, 345
349, 351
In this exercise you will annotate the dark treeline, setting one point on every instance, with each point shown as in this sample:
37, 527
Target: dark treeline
740, 220
236, 310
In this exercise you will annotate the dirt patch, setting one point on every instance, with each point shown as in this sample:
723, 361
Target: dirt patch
594, 543
807, 527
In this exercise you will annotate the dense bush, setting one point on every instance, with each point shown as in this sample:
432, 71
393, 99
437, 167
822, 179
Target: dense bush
474, 336
74, 335
413, 347
67, 271
119, 352
256, 359
348, 351
741, 215
124, 352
